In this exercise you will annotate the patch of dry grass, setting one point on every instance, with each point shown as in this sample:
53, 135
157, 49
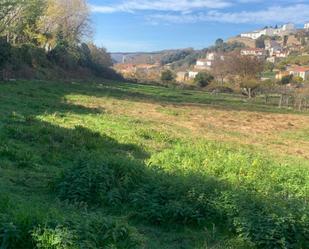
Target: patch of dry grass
258, 129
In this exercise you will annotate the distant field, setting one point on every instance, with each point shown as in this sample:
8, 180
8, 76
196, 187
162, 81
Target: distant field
116, 165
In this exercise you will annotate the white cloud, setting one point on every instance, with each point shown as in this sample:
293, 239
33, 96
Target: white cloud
295, 13
161, 5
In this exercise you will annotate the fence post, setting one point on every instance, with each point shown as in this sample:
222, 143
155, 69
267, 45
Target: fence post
280, 100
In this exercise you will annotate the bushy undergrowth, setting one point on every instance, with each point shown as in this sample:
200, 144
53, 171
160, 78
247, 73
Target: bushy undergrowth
262, 201
94, 182
76, 177
21, 230
200, 185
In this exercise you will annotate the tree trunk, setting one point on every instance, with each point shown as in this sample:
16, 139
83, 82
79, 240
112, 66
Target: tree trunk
249, 93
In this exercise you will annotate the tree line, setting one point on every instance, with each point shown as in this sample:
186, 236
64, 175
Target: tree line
44, 35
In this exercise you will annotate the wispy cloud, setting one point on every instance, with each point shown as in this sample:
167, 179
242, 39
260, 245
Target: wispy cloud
193, 11
161, 5
294, 13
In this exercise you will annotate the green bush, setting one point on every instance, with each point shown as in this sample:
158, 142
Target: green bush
9, 235
202, 184
105, 232
203, 79
260, 201
167, 76
286, 79
95, 182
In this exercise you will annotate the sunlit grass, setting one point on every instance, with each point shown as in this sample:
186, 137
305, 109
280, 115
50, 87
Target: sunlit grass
170, 168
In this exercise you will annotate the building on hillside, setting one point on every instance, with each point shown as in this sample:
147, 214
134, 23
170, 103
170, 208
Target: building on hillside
272, 44
281, 53
288, 27
272, 59
205, 64
258, 52
182, 76
258, 33
210, 56
272, 47
285, 29
192, 74
302, 72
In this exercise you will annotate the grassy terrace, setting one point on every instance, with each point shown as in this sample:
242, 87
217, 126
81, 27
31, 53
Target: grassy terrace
115, 165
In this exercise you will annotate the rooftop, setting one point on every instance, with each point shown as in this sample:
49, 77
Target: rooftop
300, 69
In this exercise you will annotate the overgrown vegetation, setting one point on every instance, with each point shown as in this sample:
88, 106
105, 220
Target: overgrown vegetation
46, 39
77, 172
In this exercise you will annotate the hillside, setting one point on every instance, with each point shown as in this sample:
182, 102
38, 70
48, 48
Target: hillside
117, 165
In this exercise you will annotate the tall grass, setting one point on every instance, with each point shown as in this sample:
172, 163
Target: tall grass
65, 186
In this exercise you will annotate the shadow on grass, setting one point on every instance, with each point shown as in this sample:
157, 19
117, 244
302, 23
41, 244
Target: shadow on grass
94, 171
161, 95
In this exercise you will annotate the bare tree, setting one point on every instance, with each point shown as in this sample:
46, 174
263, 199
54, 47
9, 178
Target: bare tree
220, 68
69, 17
247, 69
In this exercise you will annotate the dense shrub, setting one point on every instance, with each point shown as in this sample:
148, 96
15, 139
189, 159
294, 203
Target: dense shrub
41, 228
92, 232
203, 79
99, 183
167, 76
64, 56
259, 200
286, 79
176, 56
9, 235
105, 232
203, 184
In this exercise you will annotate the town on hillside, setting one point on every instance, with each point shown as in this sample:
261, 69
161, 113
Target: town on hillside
284, 51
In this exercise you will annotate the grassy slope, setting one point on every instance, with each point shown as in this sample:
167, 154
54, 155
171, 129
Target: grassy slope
46, 127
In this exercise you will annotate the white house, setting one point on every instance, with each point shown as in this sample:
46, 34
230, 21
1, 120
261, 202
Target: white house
210, 56
306, 26
283, 30
302, 72
205, 63
259, 52
192, 74
258, 33
288, 27
281, 53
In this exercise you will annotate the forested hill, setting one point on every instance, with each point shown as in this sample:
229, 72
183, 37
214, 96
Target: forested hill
47, 39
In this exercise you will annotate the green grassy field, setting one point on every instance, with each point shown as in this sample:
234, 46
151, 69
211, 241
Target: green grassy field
115, 165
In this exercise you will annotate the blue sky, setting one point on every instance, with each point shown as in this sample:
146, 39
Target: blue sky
151, 25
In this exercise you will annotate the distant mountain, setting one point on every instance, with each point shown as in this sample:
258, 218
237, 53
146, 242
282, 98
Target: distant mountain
142, 57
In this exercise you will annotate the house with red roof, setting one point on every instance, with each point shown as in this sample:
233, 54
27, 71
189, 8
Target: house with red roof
300, 71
